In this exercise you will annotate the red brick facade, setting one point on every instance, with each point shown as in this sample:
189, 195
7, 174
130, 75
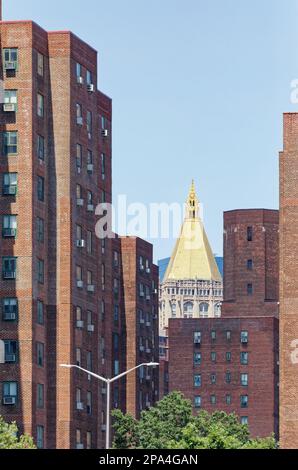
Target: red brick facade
63, 269
231, 363
288, 284
140, 304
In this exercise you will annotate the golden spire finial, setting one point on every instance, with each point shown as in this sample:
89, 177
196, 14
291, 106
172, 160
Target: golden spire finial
192, 202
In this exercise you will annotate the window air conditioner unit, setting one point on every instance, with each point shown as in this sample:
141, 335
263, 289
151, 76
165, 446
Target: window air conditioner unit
80, 284
9, 400
80, 80
91, 328
91, 88
80, 324
81, 243
105, 132
91, 288
80, 406
90, 168
80, 202
9, 107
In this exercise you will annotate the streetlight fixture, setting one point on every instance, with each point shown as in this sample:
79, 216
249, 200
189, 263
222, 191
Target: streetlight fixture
109, 382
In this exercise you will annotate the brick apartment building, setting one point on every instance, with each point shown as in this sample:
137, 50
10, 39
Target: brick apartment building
60, 286
231, 363
288, 284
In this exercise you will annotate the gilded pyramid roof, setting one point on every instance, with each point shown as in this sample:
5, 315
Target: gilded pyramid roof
192, 257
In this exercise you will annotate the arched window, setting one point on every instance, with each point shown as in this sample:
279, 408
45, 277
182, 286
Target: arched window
188, 308
217, 310
173, 309
204, 307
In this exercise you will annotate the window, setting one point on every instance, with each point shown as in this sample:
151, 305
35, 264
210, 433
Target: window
89, 440
11, 97
213, 399
213, 335
79, 73
79, 156
40, 188
116, 367
244, 337
116, 287
116, 259
213, 356
40, 396
89, 157
89, 403
10, 309
228, 335
249, 234
79, 114
228, 377
10, 181
10, 143
89, 242
40, 437
197, 359
244, 380
11, 351
9, 267
40, 229
228, 399
89, 318
78, 439
213, 379
89, 278
89, 360
79, 398
103, 310
244, 420
40, 271
188, 308
78, 356
9, 226
116, 343
249, 289
103, 166
10, 59
88, 77
79, 316
250, 264
116, 313
89, 198
198, 402
244, 401
79, 232
244, 358
204, 308
40, 105
40, 354
40, 312
103, 197
228, 357
79, 191
103, 276
40, 64
197, 380
79, 273
40, 147
10, 390
89, 124
197, 337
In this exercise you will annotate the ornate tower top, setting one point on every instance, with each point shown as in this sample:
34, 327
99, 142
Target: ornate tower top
192, 258
192, 203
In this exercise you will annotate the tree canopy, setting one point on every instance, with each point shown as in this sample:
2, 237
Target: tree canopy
171, 425
9, 437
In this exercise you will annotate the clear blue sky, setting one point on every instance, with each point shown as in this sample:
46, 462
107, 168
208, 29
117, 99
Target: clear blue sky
198, 88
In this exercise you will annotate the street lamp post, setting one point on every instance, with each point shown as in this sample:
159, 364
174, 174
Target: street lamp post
109, 382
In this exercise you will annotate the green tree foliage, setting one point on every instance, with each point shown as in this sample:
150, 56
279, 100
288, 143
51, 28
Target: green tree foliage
9, 437
171, 425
